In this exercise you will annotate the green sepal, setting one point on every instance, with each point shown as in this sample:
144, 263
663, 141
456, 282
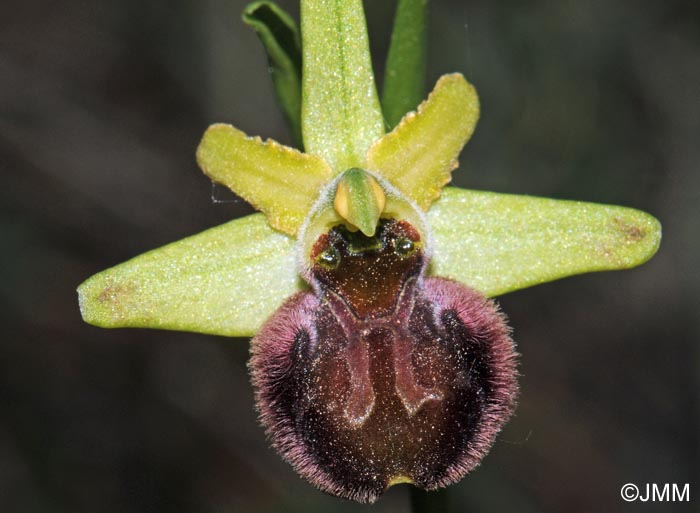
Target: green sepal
278, 180
498, 243
404, 75
224, 281
280, 37
341, 116
418, 156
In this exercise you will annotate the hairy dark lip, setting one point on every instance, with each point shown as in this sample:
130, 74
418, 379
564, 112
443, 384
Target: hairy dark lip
412, 393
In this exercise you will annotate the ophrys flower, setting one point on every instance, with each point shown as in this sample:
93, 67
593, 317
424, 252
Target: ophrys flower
381, 352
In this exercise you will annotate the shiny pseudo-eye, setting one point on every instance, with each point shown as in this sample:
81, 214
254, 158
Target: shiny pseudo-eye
381, 375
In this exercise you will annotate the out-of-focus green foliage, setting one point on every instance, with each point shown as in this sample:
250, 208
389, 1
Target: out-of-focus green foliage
279, 35
404, 76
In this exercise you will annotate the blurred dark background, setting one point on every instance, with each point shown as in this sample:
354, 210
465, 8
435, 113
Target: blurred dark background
101, 107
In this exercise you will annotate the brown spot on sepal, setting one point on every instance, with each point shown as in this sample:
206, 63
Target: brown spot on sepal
633, 233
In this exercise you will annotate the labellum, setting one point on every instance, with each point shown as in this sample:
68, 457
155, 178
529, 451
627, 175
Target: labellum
380, 374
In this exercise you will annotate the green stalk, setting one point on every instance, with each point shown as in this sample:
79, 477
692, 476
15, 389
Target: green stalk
404, 77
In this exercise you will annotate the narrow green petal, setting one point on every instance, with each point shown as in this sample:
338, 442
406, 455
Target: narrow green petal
279, 35
223, 281
404, 76
418, 156
341, 116
280, 181
497, 243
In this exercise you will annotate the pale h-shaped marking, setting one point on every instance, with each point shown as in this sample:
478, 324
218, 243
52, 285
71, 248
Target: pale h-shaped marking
361, 400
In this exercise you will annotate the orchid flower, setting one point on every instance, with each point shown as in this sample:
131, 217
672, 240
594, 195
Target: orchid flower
417, 253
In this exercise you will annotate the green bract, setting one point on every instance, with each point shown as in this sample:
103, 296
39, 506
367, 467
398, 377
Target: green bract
229, 279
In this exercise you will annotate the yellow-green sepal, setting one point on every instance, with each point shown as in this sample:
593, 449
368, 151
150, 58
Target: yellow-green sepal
418, 156
278, 180
224, 281
498, 243
341, 116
